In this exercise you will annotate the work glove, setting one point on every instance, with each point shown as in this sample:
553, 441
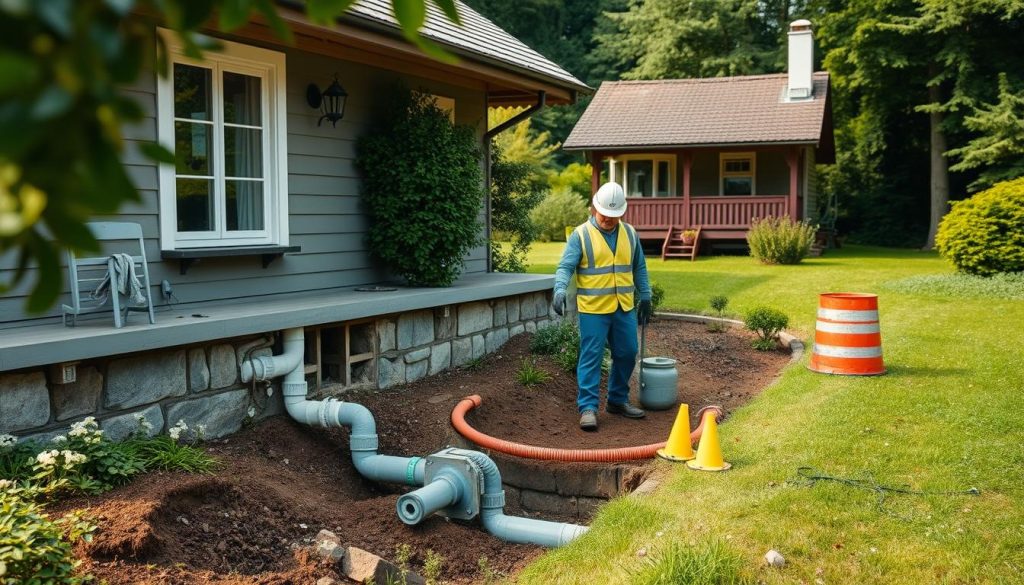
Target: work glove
643, 312
558, 303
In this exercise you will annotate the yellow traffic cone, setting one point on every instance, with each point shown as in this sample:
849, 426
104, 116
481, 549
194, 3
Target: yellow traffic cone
678, 447
709, 451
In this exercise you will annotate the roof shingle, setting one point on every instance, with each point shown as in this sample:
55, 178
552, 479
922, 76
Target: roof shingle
477, 35
691, 112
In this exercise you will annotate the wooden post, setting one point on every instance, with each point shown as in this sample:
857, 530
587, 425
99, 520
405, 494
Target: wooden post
793, 159
687, 160
595, 172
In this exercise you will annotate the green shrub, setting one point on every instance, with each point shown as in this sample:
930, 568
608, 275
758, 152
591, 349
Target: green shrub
657, 295
767, 323
35, 549
560, 209
779, 240
551, 339
422, 189
984, 235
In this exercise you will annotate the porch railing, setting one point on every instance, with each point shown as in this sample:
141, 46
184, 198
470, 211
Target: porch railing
728, 212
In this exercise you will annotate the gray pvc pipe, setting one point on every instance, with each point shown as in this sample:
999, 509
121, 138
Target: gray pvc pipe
416, 505
332, 413
515, 528
409, 470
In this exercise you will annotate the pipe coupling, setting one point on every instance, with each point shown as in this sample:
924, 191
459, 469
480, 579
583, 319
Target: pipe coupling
363, 443
493, 501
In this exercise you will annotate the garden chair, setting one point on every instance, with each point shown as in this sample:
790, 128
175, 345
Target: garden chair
86, 274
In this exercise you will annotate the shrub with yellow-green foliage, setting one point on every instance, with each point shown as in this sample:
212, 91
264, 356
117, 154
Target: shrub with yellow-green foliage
780, 240
984, 235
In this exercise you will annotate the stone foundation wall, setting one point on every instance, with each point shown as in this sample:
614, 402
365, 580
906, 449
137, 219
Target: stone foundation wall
201, 385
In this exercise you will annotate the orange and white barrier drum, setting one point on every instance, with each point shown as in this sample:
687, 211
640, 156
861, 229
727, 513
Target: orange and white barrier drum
847, 337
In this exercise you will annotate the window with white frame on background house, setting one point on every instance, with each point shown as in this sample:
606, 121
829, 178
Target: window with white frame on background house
224, 120
737, 173
643, 175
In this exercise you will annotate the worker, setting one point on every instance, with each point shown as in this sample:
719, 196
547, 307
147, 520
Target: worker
605, 255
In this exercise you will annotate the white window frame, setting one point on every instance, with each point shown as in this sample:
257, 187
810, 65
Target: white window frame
723, 174
655, 159
269, 66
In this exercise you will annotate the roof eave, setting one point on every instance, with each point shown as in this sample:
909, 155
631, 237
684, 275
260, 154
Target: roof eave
394, 31
678, 146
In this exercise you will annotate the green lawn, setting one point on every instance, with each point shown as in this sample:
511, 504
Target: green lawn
948, 415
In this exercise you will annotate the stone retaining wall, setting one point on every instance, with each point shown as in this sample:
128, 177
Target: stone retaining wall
201, 385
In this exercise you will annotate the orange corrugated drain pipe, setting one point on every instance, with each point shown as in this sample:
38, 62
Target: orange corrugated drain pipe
550, 454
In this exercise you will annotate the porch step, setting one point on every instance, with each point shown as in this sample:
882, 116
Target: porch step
675, 247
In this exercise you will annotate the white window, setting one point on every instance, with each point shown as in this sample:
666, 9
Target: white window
737, 172
644, 175
224, 120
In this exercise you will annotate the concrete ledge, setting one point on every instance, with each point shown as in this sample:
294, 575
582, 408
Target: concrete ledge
50, 342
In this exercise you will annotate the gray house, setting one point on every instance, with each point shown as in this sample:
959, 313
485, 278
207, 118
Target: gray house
259, 228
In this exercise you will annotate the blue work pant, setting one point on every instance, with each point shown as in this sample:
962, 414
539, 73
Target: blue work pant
618, 329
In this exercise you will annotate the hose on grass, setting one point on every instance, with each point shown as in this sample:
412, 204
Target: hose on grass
811, 476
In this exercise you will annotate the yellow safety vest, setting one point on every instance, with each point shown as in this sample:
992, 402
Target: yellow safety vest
604, 281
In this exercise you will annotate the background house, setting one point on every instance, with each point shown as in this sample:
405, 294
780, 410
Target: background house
258, 228
716, 152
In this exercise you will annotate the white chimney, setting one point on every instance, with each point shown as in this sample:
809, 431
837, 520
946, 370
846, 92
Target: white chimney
801, 60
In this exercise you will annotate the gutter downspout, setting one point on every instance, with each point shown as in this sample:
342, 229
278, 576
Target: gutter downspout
488, 135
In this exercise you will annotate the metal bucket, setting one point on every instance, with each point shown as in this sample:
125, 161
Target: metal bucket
658, 383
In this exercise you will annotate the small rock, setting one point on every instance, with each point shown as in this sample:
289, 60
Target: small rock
642, 552
221, 546
659, 533
303, 526
330, 551
183, 520
326, 581
206, 527
327, 536
285, 461
774, 559
361, 566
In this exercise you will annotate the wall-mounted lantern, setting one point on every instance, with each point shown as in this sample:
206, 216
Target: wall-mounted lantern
330, 102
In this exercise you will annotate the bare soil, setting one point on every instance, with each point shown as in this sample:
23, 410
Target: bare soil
252, 522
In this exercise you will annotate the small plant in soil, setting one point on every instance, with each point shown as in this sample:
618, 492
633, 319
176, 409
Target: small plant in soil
487, 572
432, 568
767, 323
657, 296
474, 364
530, 375
718, 304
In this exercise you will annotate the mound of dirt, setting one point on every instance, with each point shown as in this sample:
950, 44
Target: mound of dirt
280, 483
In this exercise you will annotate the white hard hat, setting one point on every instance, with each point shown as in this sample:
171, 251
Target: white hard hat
610, 200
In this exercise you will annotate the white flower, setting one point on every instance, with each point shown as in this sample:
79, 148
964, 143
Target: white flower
174, 433
6, 484
72, 458
59, 439
47, 458
7, 440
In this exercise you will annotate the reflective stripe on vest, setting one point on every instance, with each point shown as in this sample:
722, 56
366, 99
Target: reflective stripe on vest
604, 280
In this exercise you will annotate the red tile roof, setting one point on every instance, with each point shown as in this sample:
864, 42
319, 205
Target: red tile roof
701, 112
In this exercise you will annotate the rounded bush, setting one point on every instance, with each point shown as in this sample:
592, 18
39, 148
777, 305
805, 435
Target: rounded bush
767, 323
560, 209
984, 235
780, 240
422, 188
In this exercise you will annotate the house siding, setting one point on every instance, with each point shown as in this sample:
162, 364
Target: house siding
325, 215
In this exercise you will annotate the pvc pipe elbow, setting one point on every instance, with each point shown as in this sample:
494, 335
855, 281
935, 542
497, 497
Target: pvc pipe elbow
530, 531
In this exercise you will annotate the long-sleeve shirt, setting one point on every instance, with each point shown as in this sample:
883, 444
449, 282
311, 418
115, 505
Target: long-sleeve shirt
574, 252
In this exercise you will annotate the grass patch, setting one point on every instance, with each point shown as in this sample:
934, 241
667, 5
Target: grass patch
530, 375
948, 416
1000, 286
708, 563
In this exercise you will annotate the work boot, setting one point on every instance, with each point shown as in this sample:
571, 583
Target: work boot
626, 409
588, 420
